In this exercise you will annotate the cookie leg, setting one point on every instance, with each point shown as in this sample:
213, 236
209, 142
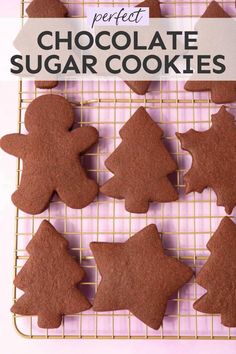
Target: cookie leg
79, 194
32, 196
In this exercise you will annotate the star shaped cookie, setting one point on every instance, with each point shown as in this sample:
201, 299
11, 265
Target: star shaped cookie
138, 276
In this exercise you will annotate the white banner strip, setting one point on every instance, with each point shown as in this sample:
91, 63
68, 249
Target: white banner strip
167, 49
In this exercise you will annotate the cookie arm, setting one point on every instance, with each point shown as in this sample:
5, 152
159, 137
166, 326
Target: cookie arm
14, 144
84, 138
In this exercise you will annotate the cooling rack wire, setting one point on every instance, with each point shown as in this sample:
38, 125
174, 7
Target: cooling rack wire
185, 225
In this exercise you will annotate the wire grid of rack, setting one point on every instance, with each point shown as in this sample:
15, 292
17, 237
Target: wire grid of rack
185, 225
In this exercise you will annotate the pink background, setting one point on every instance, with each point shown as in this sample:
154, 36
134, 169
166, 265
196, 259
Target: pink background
10, 342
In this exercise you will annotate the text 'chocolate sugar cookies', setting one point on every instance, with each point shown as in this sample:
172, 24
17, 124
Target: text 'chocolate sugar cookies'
50, 154
49, 280
138, 276
218, 275
213, 159
140, 165
46, 9
141, 87
221, 91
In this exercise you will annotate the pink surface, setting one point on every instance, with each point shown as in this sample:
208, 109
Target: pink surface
188, 218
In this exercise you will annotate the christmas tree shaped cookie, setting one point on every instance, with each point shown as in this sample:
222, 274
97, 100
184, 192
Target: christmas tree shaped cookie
221, 91
138, 276
140, 165
214, 159
218, 275
49, 280
50, 154
46, 9
141, 87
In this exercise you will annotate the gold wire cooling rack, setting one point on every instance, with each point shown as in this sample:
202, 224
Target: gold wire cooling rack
185, 225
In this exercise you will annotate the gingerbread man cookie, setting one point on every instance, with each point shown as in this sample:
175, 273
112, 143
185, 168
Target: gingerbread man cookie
50, 154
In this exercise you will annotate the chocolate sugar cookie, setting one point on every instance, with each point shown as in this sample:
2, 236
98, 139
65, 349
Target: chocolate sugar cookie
46, 9
221, 91
50, 154
213, 159
138, 276
49, 280
141, 87
218, 275
140, 165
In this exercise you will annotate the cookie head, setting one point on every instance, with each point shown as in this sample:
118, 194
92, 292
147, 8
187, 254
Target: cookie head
49, 111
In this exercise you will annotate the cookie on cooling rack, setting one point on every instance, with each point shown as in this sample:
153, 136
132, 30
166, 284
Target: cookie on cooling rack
214, 164
221, 91
50, 154
140, 165
141, 87
49, 280
218, 275
46, 9
138, 276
